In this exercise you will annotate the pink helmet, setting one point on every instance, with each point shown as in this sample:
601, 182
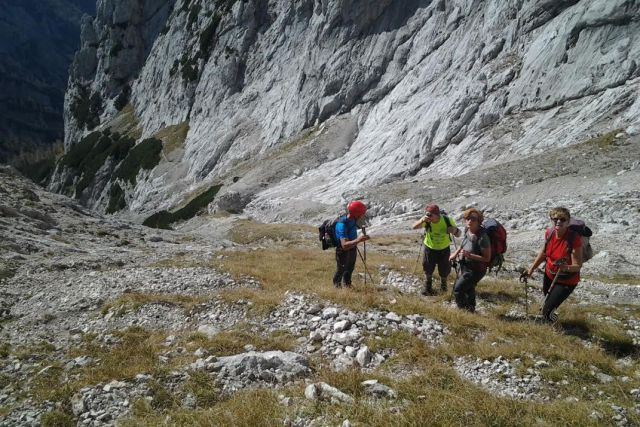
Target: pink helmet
357, 209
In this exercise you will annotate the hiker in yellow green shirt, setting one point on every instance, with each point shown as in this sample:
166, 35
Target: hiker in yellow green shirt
437, 227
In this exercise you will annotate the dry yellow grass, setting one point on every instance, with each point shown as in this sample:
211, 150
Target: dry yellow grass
134, 300
173, 137
430, 391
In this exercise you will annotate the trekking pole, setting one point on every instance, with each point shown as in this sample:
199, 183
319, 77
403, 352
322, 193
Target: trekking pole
364, 260
455, 266
366, 270
420, 249
524, 277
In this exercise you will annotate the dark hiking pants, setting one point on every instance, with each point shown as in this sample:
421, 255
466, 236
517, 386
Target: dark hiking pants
558, 294
345, 263
433, 257
464, 290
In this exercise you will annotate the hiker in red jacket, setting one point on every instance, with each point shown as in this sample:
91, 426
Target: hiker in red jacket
562, 252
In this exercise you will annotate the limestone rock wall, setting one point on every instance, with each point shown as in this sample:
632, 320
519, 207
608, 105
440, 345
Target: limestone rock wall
435, 87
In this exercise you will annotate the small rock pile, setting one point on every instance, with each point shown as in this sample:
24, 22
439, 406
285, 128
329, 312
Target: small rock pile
338, 334
499, 376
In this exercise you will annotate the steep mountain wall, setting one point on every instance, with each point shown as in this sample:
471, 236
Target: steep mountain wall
37, 41
406, 88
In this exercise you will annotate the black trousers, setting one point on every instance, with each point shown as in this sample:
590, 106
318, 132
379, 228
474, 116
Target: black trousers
555, 297
433, 257
345, 263
464, 290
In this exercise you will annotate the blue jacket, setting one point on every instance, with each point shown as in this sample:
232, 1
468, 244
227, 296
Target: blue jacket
346, 229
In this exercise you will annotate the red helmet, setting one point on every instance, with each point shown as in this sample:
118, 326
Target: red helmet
357, 209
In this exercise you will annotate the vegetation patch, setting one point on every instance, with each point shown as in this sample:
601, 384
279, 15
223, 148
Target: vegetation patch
164, 219
173, 137
133, 301
38, 163
145, 155
86, 108
57, 418
247, 232
116, 199
123, 98
206, 37
605, 141
91, 153
232, 342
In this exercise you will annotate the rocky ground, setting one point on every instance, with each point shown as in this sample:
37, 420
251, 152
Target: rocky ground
76, 286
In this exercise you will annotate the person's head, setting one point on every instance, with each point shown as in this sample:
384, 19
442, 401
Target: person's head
432, 212
560, 218
356, 209
473, 218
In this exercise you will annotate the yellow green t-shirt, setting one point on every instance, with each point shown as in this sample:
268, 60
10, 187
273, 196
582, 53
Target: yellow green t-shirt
437, 237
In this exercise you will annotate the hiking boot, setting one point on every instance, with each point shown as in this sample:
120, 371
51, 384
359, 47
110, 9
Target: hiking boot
337, 285
428, 289
347, 285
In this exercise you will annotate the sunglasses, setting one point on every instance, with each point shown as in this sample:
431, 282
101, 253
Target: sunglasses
471, 218
561, 219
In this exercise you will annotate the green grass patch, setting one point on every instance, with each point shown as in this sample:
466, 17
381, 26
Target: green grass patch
145, 155
164, 219
90, 154
605, 141
203, 388
86, 108
57, 418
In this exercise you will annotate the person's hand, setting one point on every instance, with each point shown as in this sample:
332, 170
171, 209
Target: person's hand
453, 256
466, 254
426, 219
530, 272
363, 238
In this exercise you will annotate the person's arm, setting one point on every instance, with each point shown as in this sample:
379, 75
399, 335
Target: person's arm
576, 261
485, 255
537, 261
455, 254
419, 223
453, 230
350, 244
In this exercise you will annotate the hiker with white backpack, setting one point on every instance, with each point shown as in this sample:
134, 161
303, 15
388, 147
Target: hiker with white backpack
565, 247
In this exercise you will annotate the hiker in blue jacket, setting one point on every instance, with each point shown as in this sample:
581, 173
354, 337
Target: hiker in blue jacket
346, 232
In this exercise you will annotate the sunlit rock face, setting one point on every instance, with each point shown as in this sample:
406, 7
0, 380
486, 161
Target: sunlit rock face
406, 88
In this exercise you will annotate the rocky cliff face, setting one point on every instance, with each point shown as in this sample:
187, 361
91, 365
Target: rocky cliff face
308, 101
37, 42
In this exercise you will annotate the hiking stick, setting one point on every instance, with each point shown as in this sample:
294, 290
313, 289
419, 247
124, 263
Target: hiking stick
364, 261
524, 277
366, 270
415, 266
455, 266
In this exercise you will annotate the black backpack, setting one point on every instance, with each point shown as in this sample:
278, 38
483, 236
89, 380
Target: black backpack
327, 233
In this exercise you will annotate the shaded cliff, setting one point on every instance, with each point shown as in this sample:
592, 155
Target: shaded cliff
37, 41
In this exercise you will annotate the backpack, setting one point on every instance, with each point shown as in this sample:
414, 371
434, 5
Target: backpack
498, 236
327, 233
576, 226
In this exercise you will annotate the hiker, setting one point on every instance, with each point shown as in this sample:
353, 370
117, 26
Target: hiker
474, 255
436, 246
347, 234
562, 252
